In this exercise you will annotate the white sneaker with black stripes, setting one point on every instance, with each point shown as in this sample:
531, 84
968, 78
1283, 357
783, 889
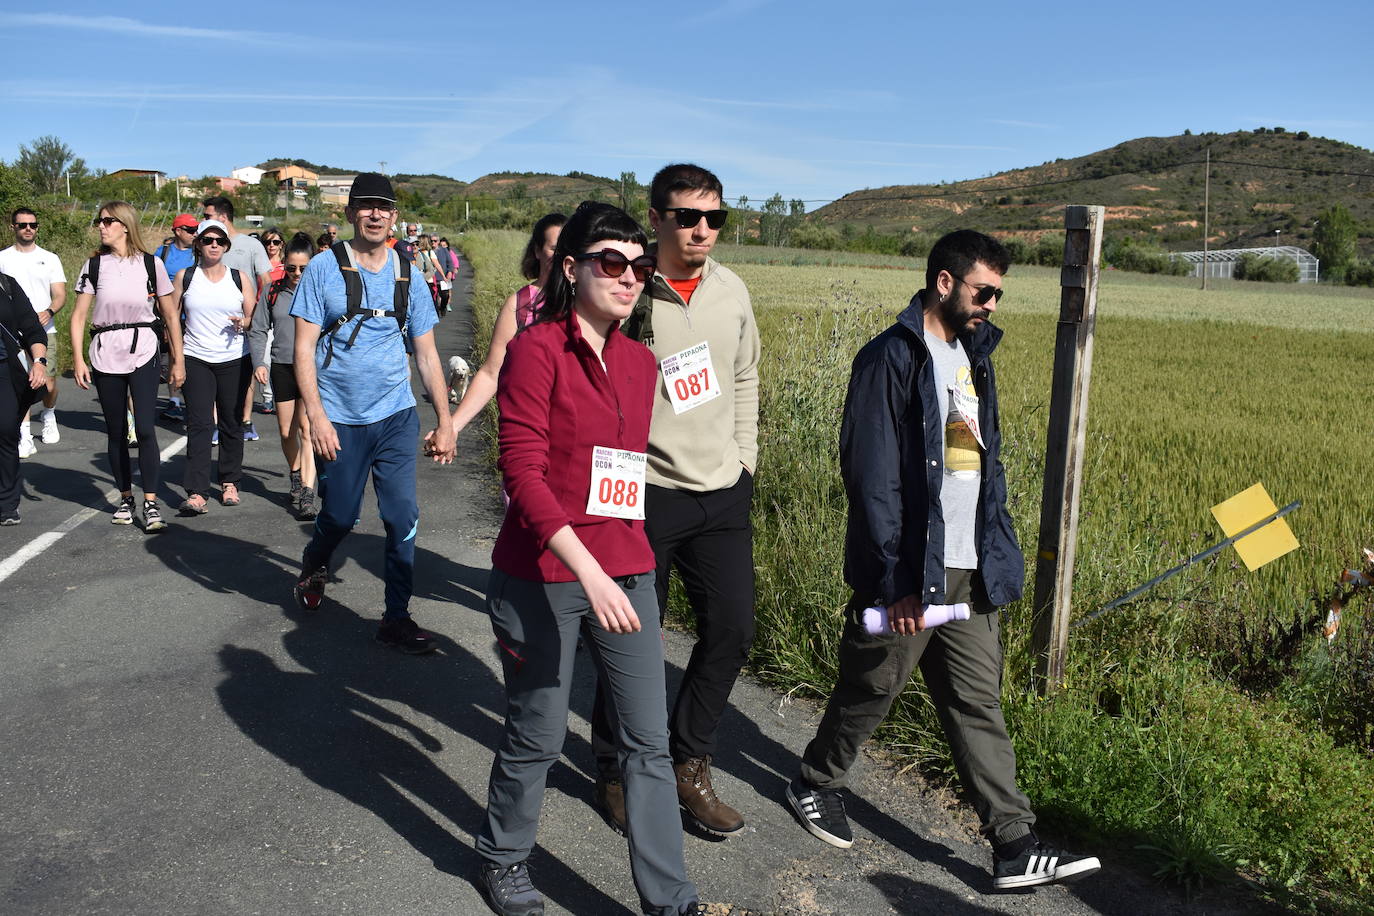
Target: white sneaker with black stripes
1042, 864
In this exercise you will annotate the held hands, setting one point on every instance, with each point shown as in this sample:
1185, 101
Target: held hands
38, 375
441, 443
176, 376
610, 604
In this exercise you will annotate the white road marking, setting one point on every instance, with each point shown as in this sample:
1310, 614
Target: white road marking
15, 561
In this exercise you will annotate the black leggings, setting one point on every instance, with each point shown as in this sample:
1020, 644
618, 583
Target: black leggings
114, 391
211, 385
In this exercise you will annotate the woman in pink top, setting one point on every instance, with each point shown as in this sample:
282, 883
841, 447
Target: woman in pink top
517, 313
124, 281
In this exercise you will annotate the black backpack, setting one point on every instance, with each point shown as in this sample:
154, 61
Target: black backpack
91, 274
191, 272
353, 286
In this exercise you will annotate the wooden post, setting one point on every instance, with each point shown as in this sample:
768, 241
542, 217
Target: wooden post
1064, 444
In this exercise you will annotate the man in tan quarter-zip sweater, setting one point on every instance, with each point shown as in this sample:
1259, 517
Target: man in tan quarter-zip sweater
696, 317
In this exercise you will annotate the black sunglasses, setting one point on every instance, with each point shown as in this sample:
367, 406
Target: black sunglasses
32, 225
981, 294
687, 217
294, 269
214, 240
613, 263
105, 221
190, 229
272, 241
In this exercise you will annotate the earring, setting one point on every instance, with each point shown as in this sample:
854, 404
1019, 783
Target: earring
572, 284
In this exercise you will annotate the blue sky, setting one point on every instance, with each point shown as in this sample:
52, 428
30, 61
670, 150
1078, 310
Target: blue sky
811, 100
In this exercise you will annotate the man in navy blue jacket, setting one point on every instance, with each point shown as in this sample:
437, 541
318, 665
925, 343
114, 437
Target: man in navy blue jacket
928, 526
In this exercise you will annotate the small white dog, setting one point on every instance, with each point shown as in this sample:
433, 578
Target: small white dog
458, 375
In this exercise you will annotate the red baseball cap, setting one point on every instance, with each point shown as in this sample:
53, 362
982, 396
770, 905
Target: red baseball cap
185, 219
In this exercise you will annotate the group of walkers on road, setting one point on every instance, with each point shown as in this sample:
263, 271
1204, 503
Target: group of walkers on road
627, 380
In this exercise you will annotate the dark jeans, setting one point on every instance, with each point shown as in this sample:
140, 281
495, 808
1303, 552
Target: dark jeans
209, 386
114, 392
709, 539
536, 626
961, 662
385, 450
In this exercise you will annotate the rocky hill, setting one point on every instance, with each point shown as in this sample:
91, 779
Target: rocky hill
1267, 187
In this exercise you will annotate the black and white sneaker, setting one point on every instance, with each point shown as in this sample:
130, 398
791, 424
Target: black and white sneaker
821, 811
1041, 864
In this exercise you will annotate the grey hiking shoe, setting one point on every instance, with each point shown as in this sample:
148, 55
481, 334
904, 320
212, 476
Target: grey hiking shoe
509, 891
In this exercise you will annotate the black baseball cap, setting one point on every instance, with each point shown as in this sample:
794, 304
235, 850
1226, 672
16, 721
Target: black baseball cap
371, 186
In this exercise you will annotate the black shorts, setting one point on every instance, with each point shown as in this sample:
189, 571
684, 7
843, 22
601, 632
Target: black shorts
283, 377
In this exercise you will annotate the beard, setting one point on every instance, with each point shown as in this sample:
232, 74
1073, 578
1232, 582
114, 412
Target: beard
959, 316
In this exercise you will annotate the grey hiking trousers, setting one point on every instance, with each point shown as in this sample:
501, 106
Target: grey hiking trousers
961, 662
536, 625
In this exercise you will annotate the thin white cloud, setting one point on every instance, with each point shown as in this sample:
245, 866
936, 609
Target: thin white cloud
122, 25
39, 93
761, 103
732, 9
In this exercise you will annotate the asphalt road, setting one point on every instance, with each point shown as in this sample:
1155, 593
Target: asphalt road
176, 738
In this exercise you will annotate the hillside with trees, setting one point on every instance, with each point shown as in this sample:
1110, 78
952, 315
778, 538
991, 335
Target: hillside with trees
1268, 187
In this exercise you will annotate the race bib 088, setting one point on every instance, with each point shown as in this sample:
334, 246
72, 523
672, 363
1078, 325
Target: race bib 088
617, 489
690, 377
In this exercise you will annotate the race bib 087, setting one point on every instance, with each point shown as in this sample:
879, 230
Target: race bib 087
690, 377
617, 489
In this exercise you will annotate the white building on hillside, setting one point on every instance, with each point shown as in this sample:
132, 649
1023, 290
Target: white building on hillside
249, 174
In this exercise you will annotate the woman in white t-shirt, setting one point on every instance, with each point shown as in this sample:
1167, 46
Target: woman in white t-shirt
123, 288
218, 305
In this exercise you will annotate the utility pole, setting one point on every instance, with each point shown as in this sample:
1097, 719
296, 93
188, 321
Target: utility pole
1206, 214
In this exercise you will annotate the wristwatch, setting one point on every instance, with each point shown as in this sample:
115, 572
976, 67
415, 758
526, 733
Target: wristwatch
42, 359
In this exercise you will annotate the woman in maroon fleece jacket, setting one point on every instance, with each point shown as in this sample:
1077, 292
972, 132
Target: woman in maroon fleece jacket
576, 397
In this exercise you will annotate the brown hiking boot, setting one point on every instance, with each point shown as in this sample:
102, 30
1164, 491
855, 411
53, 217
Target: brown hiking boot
698, 798
610, 801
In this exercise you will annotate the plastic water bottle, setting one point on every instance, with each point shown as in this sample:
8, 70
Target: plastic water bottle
876, 623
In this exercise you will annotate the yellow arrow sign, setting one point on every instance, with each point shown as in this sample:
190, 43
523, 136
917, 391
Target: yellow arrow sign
1247, 508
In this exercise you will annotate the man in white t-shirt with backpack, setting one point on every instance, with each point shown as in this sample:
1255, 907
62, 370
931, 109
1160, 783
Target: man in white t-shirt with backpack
39, 273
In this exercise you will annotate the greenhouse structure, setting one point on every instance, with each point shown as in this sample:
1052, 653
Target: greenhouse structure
1222, 263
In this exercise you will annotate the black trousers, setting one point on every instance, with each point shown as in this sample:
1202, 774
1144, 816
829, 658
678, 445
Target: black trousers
115, 390
709, 539
9, 443
211, 385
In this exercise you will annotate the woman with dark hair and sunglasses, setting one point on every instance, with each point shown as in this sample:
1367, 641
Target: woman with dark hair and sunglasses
275, 244
516, 313
576, 397
123, 289
272, 339
218, 305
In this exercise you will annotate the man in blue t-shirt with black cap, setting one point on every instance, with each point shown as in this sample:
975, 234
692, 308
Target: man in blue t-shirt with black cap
355, 308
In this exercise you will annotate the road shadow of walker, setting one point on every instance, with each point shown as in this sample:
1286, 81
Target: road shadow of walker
340, 728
